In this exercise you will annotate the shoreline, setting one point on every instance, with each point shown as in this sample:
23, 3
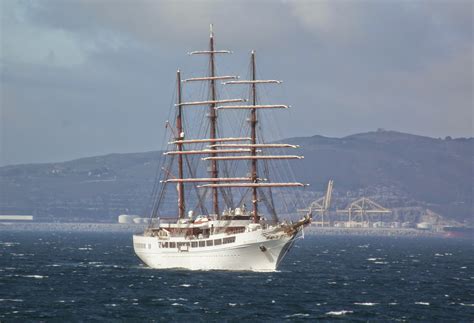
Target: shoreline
132, 228
72, 227
372, 232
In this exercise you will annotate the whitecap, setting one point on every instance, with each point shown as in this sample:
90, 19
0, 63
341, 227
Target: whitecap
463, 304
337, 313
11, 300
232, 304
185, 285
177, 304
297, 315
422, 303
35, 276
366, 304
9, 244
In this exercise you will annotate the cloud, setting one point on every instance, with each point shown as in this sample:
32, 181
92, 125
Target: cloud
337, 20
170, 22
405, 32
87, 77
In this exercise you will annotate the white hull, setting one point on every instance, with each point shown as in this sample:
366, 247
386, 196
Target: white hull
250, 251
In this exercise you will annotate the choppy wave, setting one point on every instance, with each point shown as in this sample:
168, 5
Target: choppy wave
339, 313
296, 315
35, 276
326, 278
463, 304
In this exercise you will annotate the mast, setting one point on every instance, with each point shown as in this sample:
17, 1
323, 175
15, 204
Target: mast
253, 136
215, 145
253, 156
179, 128
213, 123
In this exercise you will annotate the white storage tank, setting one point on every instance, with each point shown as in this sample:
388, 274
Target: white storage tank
126, 218
424, 226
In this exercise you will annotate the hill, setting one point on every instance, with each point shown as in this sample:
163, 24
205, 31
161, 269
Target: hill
398, 169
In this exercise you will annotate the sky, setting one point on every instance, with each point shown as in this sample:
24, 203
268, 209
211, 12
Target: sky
82, 78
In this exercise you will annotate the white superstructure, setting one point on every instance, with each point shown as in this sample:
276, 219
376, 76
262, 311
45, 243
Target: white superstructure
238, 245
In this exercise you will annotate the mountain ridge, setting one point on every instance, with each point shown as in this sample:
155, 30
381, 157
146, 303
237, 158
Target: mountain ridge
399, 169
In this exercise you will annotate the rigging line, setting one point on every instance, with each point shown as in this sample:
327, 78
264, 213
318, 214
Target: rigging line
244, 195
162, 192
228, 123
280, 171
192, 166
235, 128
272, 209
269, 201
272, 203
227, 194
265, 201
193, 163
156, 182
200, 204
289, 169
149, 209
160, 164
227, 199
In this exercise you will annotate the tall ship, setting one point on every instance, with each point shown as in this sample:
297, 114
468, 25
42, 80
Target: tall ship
216, 167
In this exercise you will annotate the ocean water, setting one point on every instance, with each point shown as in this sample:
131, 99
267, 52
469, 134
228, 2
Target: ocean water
96, 276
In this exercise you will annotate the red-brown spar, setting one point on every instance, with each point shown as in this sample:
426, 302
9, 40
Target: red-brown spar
230, 237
